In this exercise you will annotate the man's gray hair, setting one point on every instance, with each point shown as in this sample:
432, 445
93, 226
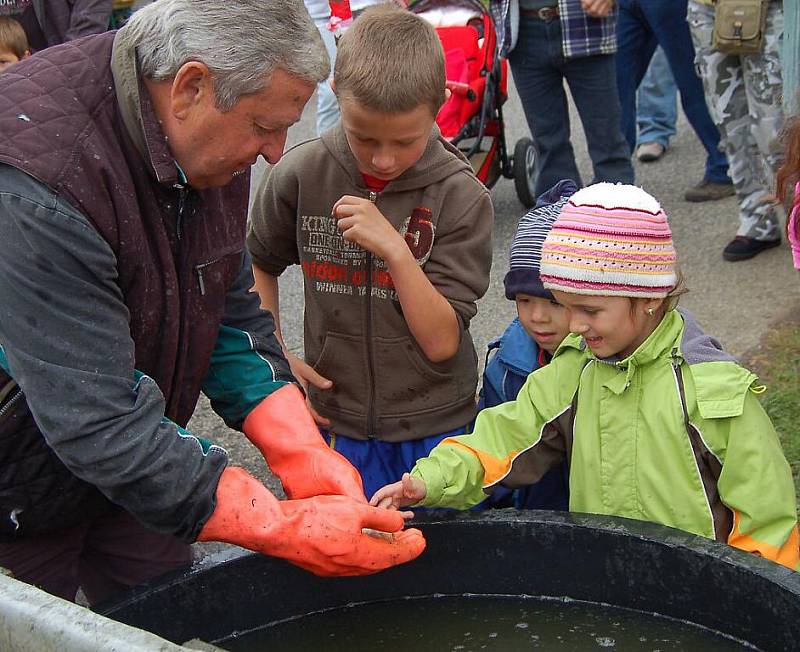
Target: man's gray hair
241, 41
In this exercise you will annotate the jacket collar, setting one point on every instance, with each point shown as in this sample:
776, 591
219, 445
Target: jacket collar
518, 350
660, 344
137, 111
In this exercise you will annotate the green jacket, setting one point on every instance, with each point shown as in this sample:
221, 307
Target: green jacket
672, 434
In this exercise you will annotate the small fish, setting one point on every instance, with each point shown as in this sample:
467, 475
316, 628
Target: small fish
386, 536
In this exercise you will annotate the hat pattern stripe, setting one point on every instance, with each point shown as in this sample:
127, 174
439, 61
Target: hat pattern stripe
599, 225
581, 237
604, 210
614, 253
613, 289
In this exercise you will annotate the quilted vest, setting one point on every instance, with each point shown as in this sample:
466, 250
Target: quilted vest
178, 250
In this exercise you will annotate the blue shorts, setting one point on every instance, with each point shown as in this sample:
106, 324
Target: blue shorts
380, 462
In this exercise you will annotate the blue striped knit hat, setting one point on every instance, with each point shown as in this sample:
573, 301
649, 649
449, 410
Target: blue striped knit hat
526, 248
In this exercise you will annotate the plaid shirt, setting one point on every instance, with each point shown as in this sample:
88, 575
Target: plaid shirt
581, 34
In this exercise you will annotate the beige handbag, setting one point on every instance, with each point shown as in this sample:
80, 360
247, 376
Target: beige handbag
739, 26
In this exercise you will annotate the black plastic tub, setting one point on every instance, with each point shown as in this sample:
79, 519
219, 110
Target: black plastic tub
620, 562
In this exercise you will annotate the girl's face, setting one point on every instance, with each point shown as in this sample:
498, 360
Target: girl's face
544, 320
610, 325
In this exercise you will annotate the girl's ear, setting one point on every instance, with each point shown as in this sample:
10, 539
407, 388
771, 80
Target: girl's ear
652, 307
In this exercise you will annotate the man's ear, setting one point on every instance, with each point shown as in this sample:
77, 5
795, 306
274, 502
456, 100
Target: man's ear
191, 86
26, 54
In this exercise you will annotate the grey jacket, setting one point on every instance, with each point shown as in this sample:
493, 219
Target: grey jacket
66, 20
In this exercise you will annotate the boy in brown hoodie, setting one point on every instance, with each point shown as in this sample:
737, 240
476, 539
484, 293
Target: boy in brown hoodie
393, 232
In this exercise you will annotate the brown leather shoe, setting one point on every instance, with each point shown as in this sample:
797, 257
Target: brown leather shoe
709, 191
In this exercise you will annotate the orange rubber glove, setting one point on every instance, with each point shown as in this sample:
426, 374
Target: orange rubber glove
322, 535
284, 431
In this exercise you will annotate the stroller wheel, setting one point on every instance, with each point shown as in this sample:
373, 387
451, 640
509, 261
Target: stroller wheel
525, 171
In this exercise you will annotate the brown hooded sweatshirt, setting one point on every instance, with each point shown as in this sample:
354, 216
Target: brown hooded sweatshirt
355, 332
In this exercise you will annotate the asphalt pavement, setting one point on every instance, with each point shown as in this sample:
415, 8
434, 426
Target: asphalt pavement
736, 302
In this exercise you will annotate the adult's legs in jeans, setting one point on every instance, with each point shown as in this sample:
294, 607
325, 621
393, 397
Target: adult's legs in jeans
656, 103
119, 552
592, 82
668, 22
540, 86
635, 46
327, 104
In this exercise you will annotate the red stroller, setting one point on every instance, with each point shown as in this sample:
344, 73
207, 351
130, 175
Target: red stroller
472, 119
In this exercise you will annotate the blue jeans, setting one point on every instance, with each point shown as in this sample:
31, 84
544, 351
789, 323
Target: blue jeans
327, 104
539, 70
643, 25
656, 103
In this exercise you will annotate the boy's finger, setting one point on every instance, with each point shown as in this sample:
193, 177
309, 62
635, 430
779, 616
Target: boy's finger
346, 200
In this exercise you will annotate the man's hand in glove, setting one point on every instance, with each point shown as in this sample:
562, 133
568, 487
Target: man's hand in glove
284, 431
323, 535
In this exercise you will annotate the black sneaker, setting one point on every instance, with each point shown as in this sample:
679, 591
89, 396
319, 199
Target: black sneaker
742, 248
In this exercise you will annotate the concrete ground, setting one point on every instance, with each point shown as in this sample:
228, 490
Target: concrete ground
737, 302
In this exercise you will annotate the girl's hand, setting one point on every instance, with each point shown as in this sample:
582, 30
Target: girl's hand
409, 491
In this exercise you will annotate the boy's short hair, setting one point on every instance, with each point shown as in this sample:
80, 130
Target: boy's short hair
12, 37
391, 61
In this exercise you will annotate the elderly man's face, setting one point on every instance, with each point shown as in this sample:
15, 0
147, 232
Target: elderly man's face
212, 147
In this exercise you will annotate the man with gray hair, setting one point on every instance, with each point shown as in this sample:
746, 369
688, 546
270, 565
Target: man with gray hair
124, 292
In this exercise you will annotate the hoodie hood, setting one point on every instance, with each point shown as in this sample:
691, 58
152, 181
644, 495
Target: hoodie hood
439, 160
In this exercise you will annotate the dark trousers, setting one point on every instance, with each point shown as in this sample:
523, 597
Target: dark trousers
539, 70
643, 26
103, 556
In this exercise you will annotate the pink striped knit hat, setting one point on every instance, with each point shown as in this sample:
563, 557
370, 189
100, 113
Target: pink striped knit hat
610, 239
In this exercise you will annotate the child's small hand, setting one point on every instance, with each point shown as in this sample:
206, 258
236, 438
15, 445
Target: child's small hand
408, 491
306, 375
361, 222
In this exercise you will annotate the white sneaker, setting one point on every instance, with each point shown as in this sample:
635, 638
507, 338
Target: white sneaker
649, 152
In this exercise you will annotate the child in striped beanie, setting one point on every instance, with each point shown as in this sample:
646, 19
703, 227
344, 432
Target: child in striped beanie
655, 420
530, 340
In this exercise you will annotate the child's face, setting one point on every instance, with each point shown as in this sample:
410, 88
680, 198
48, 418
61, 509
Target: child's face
385, 144
544, 320
6, 59
610, 325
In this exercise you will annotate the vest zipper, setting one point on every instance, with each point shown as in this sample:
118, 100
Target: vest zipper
182, 192
199, 270
373, 197
11, 403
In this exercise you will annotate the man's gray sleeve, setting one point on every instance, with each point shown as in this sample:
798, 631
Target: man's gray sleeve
65, 337
88, 17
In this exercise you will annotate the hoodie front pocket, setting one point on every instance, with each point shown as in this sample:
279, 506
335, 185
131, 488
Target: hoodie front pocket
343, 361
407, 382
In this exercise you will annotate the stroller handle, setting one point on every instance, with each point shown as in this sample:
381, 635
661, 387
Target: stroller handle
460, 88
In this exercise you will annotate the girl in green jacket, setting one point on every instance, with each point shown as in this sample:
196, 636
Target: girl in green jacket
656, 421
